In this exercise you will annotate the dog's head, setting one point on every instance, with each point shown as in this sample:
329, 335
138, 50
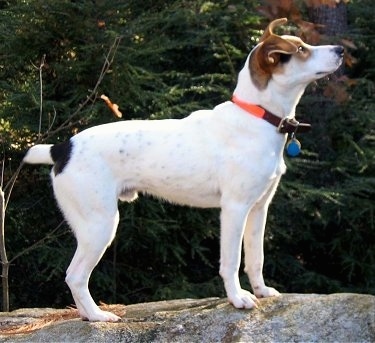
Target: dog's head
289, 61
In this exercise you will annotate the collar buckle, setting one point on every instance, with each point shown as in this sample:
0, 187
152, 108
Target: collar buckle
291, 126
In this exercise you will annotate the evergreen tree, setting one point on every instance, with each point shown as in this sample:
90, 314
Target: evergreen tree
176, 57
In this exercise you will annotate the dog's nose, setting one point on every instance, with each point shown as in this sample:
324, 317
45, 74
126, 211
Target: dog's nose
339, 50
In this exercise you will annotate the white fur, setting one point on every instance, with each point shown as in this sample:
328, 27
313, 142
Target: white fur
222, 157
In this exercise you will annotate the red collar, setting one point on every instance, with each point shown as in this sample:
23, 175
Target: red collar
257, 111
283, 125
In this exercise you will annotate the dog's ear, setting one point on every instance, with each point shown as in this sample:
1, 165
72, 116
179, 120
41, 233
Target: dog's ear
273, 46
266, 57
269, 29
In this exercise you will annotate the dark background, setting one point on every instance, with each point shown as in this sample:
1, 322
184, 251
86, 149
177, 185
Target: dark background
176, 57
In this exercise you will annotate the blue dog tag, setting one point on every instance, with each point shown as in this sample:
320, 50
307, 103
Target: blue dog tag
293, 147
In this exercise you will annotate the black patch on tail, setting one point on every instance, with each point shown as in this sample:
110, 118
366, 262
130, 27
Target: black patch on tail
60, 154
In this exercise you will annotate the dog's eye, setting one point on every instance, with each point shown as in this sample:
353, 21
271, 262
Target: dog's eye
301, 49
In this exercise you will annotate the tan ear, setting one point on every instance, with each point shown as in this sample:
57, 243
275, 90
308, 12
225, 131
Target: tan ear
265, 58
274, 45
269, 29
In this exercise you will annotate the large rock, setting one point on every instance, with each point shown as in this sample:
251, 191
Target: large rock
292, 318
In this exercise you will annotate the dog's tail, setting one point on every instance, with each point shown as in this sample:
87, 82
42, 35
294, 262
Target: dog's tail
58, 154
39, 154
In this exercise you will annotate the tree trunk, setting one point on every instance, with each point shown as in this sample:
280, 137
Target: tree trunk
333, 24
332, 18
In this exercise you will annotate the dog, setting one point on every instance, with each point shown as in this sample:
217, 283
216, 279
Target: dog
229, 157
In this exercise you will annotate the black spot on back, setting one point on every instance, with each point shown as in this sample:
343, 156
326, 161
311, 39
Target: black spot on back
60, 154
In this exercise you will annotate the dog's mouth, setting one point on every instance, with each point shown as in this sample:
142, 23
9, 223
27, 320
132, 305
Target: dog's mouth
327, 72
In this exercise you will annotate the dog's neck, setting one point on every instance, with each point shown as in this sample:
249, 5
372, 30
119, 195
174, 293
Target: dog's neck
275, 98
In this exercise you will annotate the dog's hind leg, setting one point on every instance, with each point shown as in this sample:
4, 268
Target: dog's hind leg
89, 251
91, 211
92, 241
253, 244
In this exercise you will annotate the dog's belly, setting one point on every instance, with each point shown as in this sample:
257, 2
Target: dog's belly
191, 197
184, 182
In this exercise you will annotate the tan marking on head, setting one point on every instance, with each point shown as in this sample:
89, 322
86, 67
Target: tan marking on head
265, 58
303, 50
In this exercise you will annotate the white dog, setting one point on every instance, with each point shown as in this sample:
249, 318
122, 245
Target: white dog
229, 157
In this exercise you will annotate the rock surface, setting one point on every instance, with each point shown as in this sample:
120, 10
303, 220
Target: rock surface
290, 318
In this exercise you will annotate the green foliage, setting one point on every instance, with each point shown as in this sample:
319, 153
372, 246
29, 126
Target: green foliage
321, 223
176, 57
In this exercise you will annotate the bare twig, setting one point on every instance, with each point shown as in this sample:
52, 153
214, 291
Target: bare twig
91, 98
53, 119
2, 168
3, 254
6, 192
41, 94
9, 186
109, 58
51, 235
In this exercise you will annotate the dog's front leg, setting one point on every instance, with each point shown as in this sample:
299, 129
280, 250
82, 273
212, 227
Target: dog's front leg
233, 218
253, 244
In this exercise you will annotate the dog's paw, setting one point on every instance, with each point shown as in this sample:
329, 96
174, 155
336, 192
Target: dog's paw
102, 316
243, 299
266, 292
